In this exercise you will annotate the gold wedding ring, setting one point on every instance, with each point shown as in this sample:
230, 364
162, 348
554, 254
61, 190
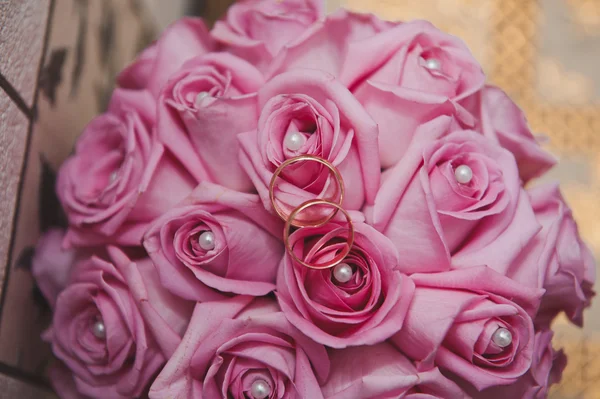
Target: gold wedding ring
332, 169
289, 223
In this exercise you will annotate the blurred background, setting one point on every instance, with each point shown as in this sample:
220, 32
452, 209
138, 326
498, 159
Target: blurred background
59, 59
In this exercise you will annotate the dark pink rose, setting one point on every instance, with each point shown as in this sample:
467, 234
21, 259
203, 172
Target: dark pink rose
51, 264
546, 369
202, 108
309, 112
472, 322
558, 259
232, 347
258, 29
120, 177
333, 45
362, 301
381, 371
500, 119
184, 39
455, 196
217, 239
99, 332
415, 72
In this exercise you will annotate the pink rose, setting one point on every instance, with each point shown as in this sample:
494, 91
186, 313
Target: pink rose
257, 29
309, 112
364, 304
500, 119
119, 178
62, 381
137, 75
184, 39
99, 332
382, 372
563, 265
473, 322
51, 264
546, 369
415, 72
202, 108
216, 239
457, 194
234, 347
334, 44
418, 56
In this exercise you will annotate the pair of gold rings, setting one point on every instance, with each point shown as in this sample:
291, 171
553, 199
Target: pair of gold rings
291, 219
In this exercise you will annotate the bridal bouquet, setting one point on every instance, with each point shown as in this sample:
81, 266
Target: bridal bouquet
293, 205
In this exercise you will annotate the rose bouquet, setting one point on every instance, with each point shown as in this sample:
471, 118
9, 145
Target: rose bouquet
293, 205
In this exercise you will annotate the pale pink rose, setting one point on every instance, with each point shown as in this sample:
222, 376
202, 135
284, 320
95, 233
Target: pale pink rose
381, 371
99, 332
415, 72
423, 204
258, 29
51, 264
546, 369
500, 119
563, 265
327, 122
120, 177
202, 108
366, 309
454, 316
246, 239
231, 345
334, 45
182, 40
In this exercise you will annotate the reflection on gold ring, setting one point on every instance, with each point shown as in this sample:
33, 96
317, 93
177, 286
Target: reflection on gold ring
300, 158
349, 241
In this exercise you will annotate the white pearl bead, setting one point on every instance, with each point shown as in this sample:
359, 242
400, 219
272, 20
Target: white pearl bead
502, 337
294, 141
260, 389
99, 330
113, 176
433, 64
200, 97
207, 240
343, 272
463, 174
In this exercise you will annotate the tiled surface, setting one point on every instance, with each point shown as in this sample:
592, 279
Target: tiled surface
22, 27
22, 319
13, 136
